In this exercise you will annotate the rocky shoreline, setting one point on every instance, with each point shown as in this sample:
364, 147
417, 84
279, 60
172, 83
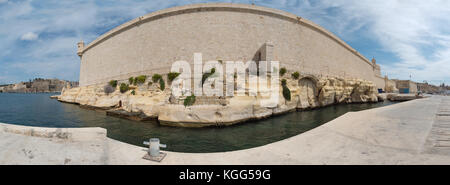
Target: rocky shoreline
149, 102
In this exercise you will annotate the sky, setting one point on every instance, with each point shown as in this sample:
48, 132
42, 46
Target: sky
408, 38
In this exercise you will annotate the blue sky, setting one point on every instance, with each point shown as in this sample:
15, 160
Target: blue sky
38, 37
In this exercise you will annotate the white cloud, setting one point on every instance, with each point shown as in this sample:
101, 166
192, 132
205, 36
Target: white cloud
29, 36
414, 31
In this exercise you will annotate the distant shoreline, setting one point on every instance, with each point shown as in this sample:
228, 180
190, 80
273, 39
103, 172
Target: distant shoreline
38, 85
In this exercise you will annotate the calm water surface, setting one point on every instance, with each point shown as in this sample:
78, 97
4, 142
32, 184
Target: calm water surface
41, 111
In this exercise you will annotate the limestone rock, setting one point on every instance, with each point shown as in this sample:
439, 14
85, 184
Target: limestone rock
149, 102
402, 97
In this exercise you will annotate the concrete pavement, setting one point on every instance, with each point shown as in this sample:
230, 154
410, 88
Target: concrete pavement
413, 132
35, 145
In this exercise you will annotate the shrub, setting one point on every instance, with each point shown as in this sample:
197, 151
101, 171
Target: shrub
286, 93
150, 83
282, 71
156, 77
207, 75
113, 83
190, 100
283, 82
295, 75
133, 92
108, 89
235, 75
172, 75
162, 84
124, 87
140, 79
130, 80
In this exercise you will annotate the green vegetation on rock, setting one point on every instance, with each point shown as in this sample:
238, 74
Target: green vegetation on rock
156, 78
190, 100
130, 80
113, 83
124, 87
283, 82
172, 75
282, 71
295, 75
286, 91
133, 92
162, 84
140, 79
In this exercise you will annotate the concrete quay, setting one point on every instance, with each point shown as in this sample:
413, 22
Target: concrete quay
412, 132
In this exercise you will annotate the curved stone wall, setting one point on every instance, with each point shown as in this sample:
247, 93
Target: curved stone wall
236, 32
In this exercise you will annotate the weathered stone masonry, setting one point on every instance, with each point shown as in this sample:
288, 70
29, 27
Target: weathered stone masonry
330, 71
150, 44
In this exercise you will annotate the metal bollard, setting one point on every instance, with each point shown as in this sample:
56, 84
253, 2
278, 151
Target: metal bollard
154, 146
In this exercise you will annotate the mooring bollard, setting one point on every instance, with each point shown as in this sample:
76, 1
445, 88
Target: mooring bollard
154, 146
153, 150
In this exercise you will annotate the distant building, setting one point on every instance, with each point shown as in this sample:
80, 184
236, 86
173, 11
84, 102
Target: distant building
406, 86
428, 88
38, 85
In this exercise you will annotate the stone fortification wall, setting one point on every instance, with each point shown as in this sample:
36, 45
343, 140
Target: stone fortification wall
38, 85
151, 43
380, 82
